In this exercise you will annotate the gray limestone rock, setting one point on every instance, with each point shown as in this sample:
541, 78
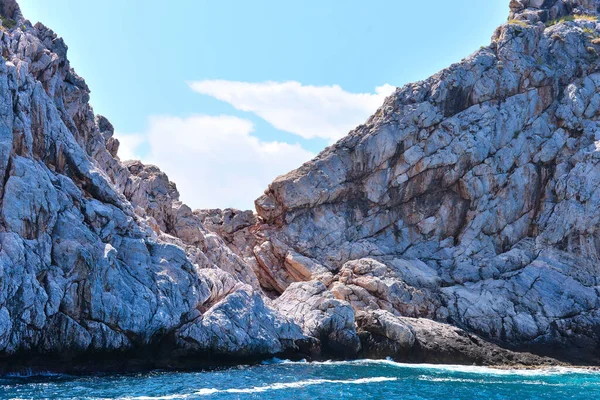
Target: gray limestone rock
321, 316
474, 192
99, 256
424, 340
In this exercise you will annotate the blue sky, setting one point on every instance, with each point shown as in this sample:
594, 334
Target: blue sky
226, 95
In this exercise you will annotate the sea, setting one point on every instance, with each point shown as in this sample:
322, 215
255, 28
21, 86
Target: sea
282, 379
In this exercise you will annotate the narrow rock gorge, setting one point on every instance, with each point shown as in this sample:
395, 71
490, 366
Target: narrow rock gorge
459, 224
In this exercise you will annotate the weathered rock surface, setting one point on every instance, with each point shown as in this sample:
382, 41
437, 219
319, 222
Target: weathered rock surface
471, 198
424, 340
463, 215
321, 315
99, 256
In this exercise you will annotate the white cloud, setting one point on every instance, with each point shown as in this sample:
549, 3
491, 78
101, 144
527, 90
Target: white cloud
214, 160
129, 145
217, 162
308, 111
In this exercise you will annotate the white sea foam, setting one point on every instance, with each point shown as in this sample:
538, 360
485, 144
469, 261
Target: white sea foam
266, 388
473, 369
166, 397
486, 381
296, 385
276, 360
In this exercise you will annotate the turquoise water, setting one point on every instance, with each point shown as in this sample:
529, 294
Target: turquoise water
327, 380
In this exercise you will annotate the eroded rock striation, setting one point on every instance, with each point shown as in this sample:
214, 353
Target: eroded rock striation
471, 198
458, 224
99, 256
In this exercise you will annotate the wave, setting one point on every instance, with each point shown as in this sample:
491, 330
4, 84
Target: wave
488, 382
472, 369
166, 397
266, 388
276, 360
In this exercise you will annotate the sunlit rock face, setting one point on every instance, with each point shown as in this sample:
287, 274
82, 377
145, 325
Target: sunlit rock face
97, 255
547, 10
471, 198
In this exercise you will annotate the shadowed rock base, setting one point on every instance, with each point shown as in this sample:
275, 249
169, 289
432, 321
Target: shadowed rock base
462, 348
424, 341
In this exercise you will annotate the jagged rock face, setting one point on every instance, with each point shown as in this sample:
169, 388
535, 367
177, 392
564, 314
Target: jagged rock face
96, 255
545, 10
321, 315
476, 191
424, 340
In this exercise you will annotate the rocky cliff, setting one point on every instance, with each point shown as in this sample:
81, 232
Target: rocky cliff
470, 198
98, 256
459, 221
